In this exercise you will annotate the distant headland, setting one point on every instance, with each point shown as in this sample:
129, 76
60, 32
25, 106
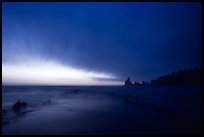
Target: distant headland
182, 78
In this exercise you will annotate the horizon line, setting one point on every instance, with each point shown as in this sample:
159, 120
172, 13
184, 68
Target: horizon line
59, 85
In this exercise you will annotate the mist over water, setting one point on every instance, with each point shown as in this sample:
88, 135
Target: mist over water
155, 44
101, 110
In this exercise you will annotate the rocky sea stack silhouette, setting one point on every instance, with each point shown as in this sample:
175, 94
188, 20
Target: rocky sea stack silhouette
128, 82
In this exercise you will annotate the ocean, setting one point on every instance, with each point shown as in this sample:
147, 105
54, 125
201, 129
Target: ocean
86, 110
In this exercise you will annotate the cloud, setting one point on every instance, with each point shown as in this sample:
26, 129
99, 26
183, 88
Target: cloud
139, 40
42, 72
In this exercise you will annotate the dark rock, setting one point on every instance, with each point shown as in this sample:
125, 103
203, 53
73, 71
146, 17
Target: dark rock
128, 82
19, 105
131, 99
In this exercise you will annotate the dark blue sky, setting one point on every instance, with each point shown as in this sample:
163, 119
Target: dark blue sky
140, 40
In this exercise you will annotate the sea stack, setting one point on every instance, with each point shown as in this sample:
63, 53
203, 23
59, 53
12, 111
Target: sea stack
128, 82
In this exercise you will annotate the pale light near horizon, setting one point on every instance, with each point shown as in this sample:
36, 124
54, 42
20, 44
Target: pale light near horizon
41, 72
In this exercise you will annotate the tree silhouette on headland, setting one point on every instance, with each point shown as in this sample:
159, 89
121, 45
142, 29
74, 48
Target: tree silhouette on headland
185, 78
182, 78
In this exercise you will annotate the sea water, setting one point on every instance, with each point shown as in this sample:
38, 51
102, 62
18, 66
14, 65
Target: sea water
88, 110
